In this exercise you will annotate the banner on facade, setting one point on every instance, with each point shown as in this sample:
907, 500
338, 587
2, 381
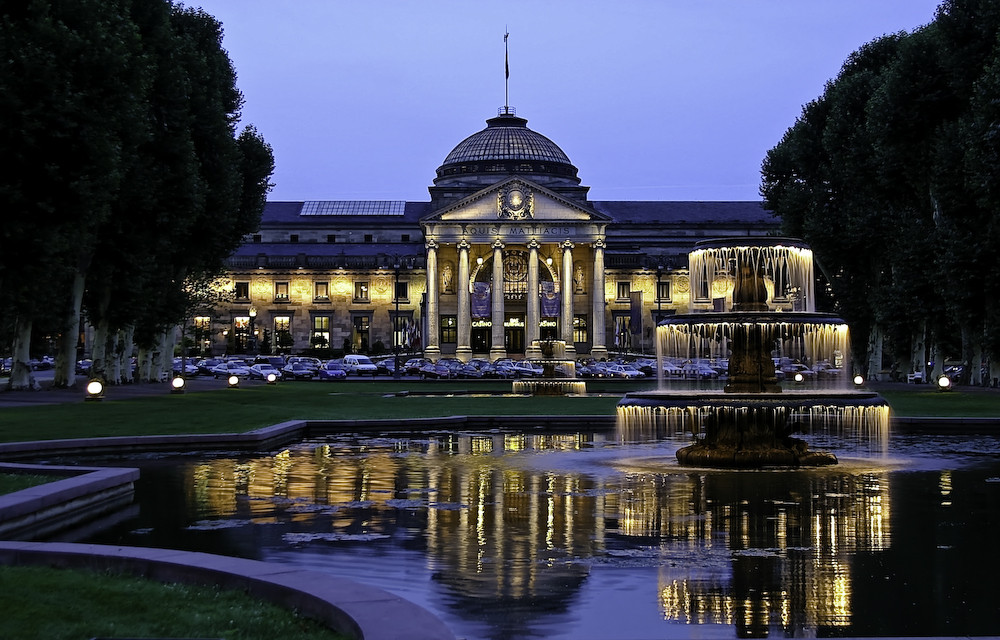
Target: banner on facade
482, 301
635, 312
411, 335
549, 299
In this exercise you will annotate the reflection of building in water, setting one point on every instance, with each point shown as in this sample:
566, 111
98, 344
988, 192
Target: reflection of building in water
792, 543
758, 550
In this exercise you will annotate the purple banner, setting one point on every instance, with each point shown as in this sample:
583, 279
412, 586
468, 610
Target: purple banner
481, 301
550, 299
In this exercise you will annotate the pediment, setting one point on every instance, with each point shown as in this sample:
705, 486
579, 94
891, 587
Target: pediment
515, 200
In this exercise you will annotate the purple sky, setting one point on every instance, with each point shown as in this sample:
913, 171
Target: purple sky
651, 100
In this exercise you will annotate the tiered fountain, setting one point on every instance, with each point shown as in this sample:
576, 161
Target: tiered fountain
558, 372
767, 287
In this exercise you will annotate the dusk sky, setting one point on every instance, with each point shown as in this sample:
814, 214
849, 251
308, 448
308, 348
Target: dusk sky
651, 100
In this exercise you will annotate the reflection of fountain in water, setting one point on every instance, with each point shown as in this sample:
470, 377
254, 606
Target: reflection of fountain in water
768, 288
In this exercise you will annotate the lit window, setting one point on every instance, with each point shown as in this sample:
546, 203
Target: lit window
449, 329
361, 291
322, 291
281, 292
320, 338
580, 328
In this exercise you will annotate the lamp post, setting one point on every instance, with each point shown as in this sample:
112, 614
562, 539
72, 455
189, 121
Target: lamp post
253, 337
659, 300
395, 318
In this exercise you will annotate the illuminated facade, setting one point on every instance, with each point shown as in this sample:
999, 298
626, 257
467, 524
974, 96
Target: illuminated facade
508, 251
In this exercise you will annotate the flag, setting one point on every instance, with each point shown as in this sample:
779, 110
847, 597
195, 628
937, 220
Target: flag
506, 63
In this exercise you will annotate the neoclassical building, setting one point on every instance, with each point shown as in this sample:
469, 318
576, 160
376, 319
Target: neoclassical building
508, 251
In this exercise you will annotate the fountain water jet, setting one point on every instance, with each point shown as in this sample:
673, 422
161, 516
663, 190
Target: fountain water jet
750, 423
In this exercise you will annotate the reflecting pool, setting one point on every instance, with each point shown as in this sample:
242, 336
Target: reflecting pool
509, 535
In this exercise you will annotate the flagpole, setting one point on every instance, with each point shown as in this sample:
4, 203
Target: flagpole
506, 73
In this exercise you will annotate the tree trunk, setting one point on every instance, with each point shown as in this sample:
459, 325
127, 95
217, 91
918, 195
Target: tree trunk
874, 352
113, 359
125, 349
22, 378
144, 365
158, 357
65, 373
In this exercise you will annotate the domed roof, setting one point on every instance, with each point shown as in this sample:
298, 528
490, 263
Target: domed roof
506, 137
506, 146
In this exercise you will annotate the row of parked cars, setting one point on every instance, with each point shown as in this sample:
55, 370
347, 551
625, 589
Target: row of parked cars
292, 368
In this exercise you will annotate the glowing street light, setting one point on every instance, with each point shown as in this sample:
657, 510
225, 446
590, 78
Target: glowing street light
859, 380
95, 390
944, 383
177, 384
234, 382
272, 378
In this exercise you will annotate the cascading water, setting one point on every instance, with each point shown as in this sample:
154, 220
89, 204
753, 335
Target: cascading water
754, 305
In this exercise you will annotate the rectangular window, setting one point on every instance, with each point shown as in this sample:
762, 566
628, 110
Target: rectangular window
405, 237
369, 237
624, 290
580, 333
623, 335
402, 291
399, 330
242, 291
257, 238
361, 291
281, 292
331, 238
663, 291
321, 292
449, 329
362, 332
283, 341
320, 338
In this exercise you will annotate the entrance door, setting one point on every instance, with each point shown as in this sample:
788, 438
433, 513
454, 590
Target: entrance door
482, 332
513, 334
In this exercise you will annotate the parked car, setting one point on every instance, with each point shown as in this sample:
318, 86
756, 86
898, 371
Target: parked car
527, 369
672, 370
699, 370
359, 365
435, 370
298, 371
308, 361
206, 366
386, 366
626, 371
262, 371
231, 368
82, 366
790, 371
412, 366
275, 361
332, 370
190, 367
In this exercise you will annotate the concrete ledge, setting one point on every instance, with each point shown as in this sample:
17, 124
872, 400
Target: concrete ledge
349, 607
86, 494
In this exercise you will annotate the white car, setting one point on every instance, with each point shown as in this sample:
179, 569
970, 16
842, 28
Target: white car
263, 370
234, 368
359, 365
623, 371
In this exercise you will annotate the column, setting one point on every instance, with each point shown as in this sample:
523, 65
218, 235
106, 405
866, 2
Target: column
598, 336
497, 348
566, 319
532, 317
464, 350
432, 333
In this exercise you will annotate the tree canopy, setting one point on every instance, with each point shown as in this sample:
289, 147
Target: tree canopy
127, 180
891, 176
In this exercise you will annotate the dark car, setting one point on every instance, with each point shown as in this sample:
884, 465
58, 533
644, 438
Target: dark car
298, 371
332, 370
205, 366
413, 365
435, 370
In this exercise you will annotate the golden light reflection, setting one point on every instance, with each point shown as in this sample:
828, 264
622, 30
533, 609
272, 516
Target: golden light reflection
756, 555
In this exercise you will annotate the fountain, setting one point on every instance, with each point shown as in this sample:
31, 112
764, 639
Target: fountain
558, 372
749, 423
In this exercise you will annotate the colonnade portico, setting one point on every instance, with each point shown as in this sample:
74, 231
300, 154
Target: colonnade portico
491, 260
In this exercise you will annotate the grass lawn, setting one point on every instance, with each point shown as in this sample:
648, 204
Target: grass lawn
252, 407
92, 604
11, 482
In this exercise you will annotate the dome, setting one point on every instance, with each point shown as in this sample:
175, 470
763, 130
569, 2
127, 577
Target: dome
507, 146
